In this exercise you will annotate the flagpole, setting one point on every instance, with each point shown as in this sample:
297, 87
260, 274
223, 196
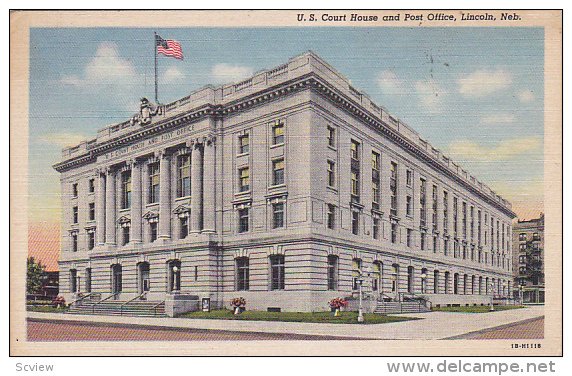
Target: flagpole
155, 53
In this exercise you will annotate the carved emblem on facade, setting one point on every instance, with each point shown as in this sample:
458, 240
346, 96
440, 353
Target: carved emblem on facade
146, 112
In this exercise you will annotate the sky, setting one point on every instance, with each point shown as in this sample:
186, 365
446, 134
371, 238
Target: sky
474, 93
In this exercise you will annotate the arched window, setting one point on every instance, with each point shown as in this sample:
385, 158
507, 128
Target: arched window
456, 283
465, 280
447, 282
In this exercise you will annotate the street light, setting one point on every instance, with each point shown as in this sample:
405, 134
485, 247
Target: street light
360, 280
423, 282
175, 270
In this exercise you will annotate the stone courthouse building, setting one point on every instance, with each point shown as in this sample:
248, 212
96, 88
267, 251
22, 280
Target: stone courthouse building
285, 189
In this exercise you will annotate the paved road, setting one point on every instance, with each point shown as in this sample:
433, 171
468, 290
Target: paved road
528, 329
39, 330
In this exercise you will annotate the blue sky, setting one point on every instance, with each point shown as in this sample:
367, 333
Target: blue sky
475, 93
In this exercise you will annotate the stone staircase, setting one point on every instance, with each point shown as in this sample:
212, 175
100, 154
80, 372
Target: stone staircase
140, 308
407, 306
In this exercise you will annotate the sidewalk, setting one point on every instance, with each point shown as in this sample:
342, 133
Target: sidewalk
434, 325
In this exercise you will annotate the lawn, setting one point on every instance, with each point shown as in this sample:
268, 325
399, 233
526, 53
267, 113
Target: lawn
476, 309
44, 308
316, 317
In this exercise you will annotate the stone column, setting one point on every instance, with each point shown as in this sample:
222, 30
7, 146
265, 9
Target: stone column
164, 196
110, 207
136, 202
196, 188
209, 184
100, 208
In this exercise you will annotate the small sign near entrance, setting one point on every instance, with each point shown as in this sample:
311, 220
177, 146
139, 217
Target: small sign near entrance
206, 304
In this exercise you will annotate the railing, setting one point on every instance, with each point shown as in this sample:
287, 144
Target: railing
130, 300
157, 306
81, 298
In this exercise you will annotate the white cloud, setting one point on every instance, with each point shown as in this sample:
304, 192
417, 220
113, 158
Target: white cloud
430, 95
62, 139
483, 82
388, 81
502, 151
173, 74
226, 73
526, 96
498, 119
106, 68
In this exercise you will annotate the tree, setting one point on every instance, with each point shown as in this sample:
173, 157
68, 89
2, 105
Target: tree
35, 276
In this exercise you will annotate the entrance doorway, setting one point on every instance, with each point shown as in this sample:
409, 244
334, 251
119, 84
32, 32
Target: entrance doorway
144, 284
116, 279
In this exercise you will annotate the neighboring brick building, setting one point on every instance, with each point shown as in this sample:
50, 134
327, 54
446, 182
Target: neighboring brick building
528, 259
281, 188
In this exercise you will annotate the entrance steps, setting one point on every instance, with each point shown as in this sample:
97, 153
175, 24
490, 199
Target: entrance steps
139, 308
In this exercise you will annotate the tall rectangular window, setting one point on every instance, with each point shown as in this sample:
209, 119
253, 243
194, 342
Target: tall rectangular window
331, 173
278, 215
332, 272
153, 183
375, 230
394, 233
91, 214
354, 150
355, 185
331, 137
376, 276
445, 247
126, 190
91, 185
472, 219
423, 241
75, 215
90, 240
408, 206
445, 210
244, 143
435, 209
355, 222
244, 179
74, 190
278, 133
183, 227
153, 231
435, 243
409, 237
409, 178
464, 220
331, 216
242, 274
375, 179
393, 188
479, 228
184, 176
278, 171
277, 272
455, 212
422, 203
243, 220
125, 235
74, 241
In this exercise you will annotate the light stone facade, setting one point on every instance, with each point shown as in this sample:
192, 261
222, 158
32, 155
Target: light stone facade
321, 116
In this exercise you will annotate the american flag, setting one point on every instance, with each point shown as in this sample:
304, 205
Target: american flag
168, 47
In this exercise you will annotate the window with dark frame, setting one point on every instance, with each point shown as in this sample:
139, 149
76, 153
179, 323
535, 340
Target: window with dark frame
375, 229
331, 173
244, 179
91, 185
125, 189
354, 150
278, 133
243, 220
331, 137
244, 143
153, 231
331, 216
393, 188
394, 233
332, 272
278, 171
153, 170
90, 240
277, 272
74, 241
125, 235
242, 274
184, 176
74, 190
183, 227
75, 215
91, 211
355, 222
278, 215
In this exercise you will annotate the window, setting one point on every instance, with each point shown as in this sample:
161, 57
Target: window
393, 188
331, 173
479, 227
278, 133
278, 215
410, 279
395, 278
435, 209
423, 241
74, 241
355, 183
278, 171
455, 223
422, 203
125, 235
374, 161
522, 237
244, 143
445, 210
331, 137
73, 280
277, 272
472, 222
88, 280
409, 237
244, 179
242, 274
75, 215
376, 276
408, 206
409, 178
331, 216
126, 190
436, 282
435, 243
116, 278
355, 222
183, 227
74, 190
184, 176
464, 220
332, 272
243, 220
90, 240
92, 211
91, 185
153, 231
394, 233
356, 272
354, 150
447, 282
456, 283
153, 183
375, 229
445, 247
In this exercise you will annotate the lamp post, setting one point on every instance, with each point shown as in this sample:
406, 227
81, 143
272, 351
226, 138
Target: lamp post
360, 280
175, 271
520, 292
492, 286
423, 282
